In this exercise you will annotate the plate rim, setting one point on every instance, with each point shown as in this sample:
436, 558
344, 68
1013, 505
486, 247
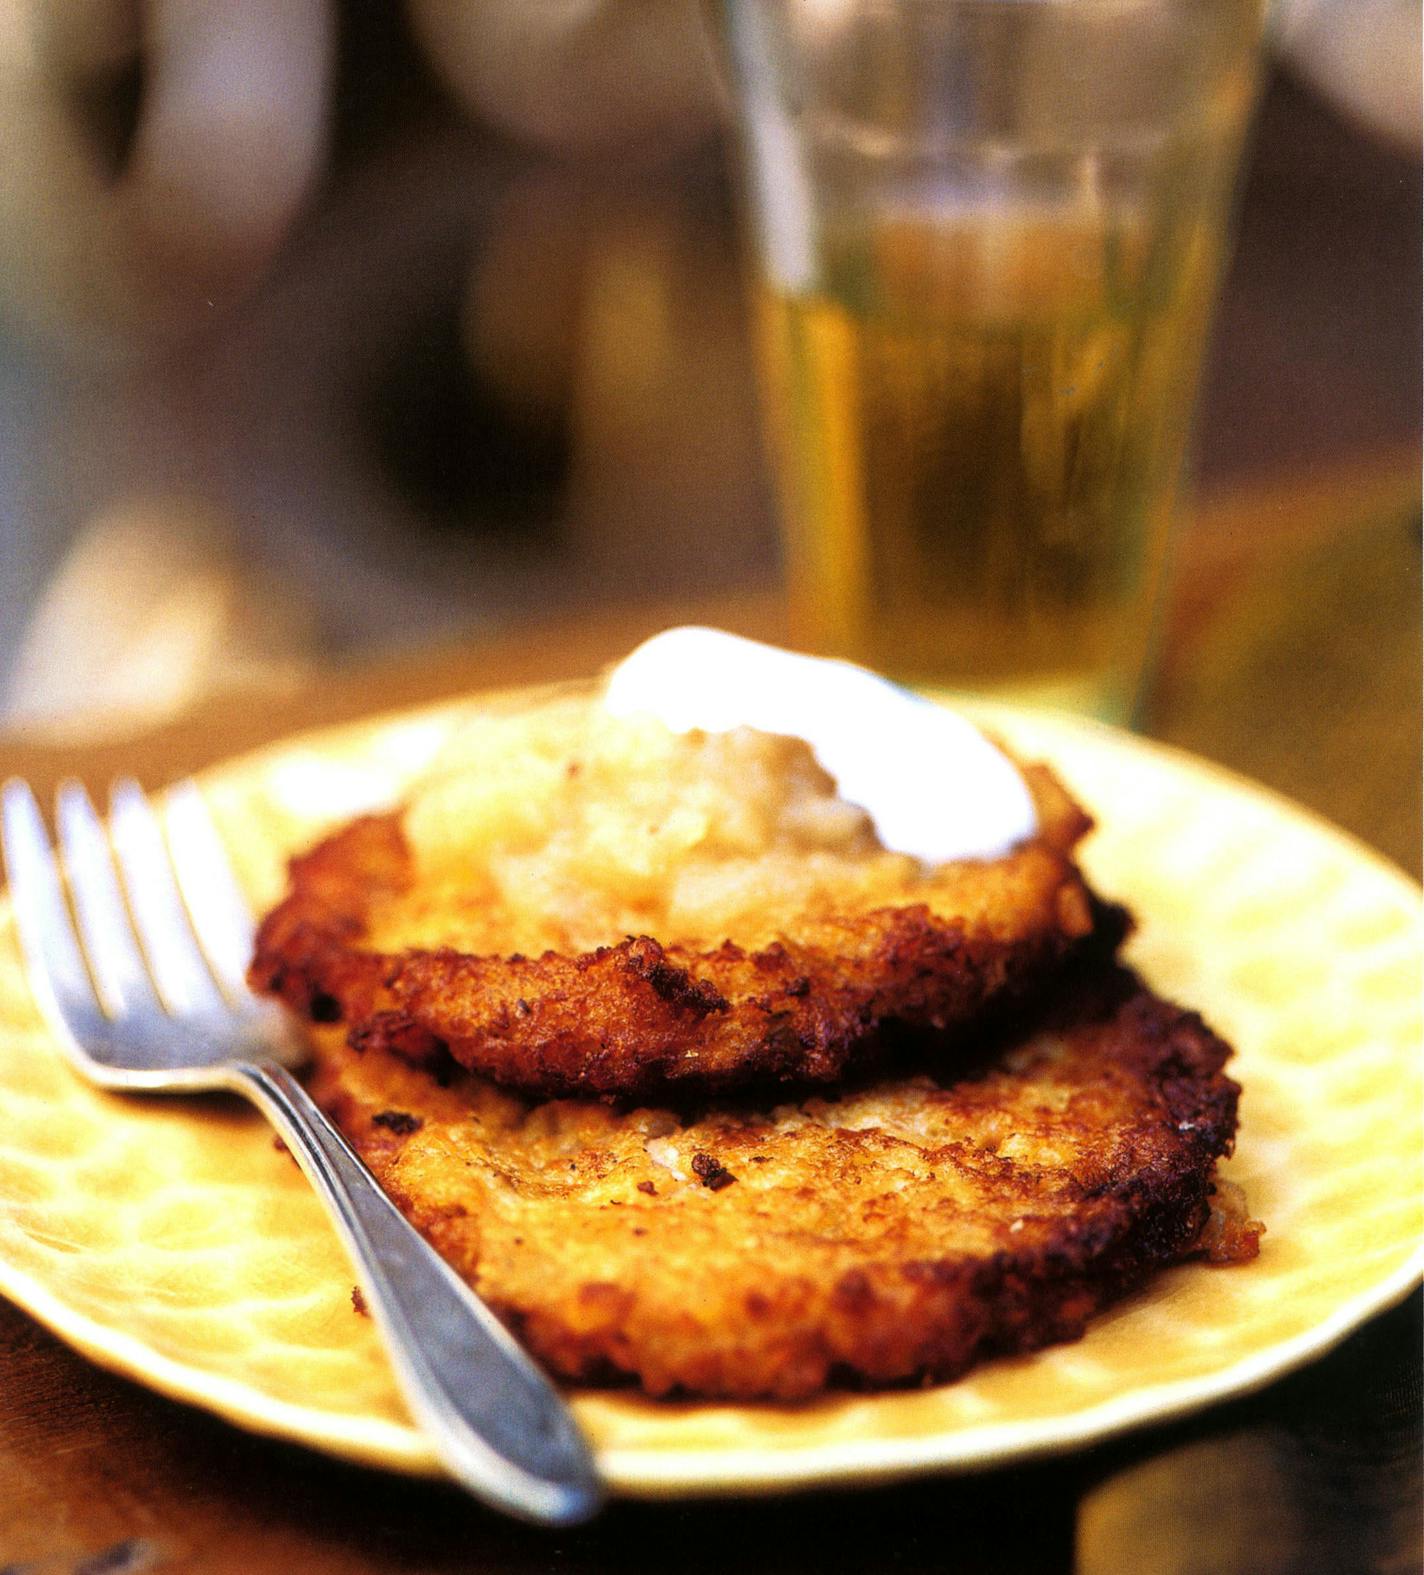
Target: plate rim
649, 1472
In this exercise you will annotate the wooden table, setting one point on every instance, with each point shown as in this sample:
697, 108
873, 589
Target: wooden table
1291, 652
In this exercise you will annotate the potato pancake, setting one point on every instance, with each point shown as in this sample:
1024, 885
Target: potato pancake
578, 903
896, 1231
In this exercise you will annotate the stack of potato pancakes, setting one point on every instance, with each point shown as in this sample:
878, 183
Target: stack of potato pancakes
700, 1085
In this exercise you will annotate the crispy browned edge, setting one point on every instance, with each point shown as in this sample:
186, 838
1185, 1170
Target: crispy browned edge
638, 1018
894, 1318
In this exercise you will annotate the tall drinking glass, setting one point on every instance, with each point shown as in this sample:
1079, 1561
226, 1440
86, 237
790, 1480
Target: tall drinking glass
988, 234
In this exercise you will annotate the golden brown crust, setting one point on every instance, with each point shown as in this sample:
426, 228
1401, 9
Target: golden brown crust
894, 1232
647, 1015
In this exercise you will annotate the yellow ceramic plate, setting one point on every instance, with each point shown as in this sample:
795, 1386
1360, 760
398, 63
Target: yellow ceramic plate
175, 1244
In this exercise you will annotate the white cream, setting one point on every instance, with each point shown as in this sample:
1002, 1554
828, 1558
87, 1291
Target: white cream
934, 786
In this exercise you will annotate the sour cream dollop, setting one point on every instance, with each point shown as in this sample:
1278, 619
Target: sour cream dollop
930, 781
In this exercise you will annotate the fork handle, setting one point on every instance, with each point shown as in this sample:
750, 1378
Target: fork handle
496, 1421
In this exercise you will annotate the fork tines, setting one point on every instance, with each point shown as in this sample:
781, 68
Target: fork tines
157, 918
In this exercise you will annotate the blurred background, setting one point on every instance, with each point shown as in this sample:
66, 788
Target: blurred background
451, 346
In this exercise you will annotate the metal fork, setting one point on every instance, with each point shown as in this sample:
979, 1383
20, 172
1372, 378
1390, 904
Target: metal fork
162, 1006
